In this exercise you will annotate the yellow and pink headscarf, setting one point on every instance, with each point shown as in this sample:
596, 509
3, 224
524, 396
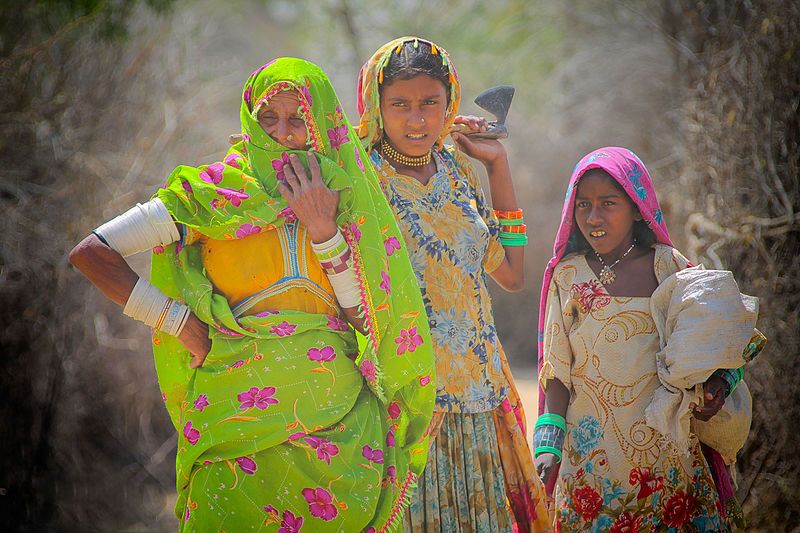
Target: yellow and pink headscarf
370, 78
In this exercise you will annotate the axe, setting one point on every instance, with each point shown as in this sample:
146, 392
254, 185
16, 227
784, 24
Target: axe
497, 101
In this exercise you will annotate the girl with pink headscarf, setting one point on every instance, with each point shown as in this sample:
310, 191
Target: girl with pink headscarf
617, 431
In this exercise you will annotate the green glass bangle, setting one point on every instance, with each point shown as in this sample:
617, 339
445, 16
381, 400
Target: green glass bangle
505, 241
513, 236
547, 449
551, 419
511, 221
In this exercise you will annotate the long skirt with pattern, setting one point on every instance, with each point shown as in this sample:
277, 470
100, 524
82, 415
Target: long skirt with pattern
480, 476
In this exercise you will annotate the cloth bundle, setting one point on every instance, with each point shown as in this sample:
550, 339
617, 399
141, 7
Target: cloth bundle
704, 323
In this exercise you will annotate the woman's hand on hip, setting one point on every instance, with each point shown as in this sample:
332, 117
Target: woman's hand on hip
195, 338
311, 200
487, 151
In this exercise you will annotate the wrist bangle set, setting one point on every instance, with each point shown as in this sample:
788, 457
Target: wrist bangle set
334, 257
549, 434
731, 377
149, 305
513, 231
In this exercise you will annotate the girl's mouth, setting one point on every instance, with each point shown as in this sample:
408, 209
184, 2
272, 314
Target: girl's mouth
597, 233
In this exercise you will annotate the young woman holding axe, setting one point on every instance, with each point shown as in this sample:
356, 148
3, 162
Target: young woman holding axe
480, 474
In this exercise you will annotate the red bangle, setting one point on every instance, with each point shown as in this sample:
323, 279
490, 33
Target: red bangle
510, 215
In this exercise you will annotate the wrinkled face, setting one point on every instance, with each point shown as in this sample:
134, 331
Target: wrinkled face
604, 213
280, 119
413, 113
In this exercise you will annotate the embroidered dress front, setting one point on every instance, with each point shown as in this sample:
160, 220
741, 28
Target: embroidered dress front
616, 473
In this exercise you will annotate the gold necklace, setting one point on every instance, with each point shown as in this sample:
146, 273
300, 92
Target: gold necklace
407, 160
607, 275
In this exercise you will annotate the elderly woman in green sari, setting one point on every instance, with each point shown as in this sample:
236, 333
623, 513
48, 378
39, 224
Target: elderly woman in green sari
260, 261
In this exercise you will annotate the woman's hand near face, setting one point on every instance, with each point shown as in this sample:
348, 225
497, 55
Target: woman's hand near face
311, 200
487, 151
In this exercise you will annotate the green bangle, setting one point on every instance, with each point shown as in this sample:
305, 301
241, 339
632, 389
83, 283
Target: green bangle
511, 221
552, 419
547, 449
513, 236
508, 241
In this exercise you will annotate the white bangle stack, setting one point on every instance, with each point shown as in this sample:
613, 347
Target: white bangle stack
149, 305
334, 257
140, 228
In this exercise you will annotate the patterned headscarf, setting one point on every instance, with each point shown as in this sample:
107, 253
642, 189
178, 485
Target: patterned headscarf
370, 78
630, 173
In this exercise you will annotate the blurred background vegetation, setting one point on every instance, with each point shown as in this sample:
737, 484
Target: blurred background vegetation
99, 100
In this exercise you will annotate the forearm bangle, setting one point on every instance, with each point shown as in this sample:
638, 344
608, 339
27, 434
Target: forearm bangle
149, 305
549, 434
141, 228
335, 258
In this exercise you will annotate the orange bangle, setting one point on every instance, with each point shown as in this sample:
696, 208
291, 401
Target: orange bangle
510, 215
515, 229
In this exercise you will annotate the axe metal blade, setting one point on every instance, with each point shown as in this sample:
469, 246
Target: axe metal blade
497, 101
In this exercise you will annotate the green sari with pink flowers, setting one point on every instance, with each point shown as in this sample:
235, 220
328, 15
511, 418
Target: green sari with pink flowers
289, 424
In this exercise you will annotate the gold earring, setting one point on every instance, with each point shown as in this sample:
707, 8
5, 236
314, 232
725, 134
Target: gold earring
290, 138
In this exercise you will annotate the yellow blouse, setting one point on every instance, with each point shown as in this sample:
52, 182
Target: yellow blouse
274, 269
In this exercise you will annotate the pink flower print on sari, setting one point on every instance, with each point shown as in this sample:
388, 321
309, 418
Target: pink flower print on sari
237, 364
187, 186
337, 324
201, 402
338, 136
358, 158
226, 331
373, 455
278, 165
290, 523
259, 398
394, 410
247, 465
424, 380
245, 230
408, 340
391, 474
368, 370
283, 329
306, 94
271, 509
212, 174
386, 283
287, 213
323, 355
248, 96
591, 295
390, 437
355, 231
233, 160
233, 196
320, 503
298, 435
325, 448
158, 250
391, 244
191, 434
264, 314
